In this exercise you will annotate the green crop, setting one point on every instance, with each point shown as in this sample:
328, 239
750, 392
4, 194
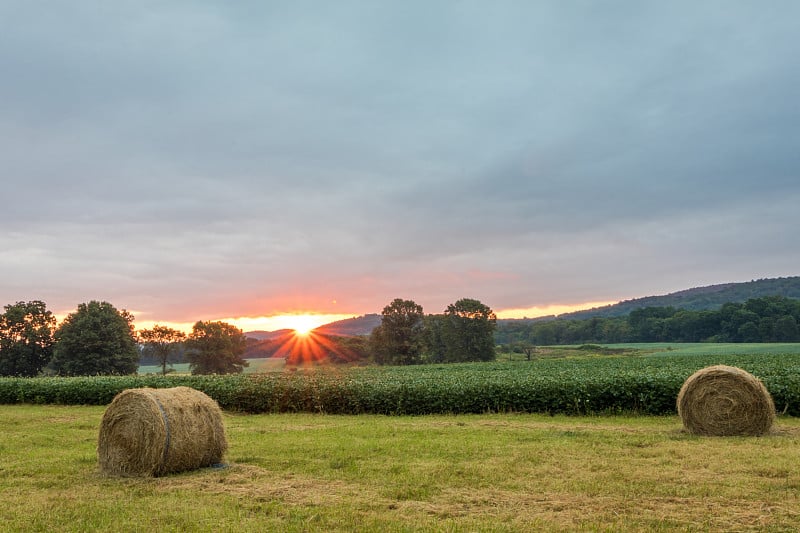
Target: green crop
647, 385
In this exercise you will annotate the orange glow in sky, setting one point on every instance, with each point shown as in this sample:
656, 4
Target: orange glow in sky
300, 322
547, 310
304, 322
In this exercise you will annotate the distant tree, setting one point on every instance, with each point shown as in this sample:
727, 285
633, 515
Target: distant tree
527, 348
216, 348
650, 324
748, 332
786, 330
469, 331
96, 339
26, 338
398, 339
163, 342
733, 316
433, 336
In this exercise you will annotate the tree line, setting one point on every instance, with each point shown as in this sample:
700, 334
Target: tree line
98, 339
764, 319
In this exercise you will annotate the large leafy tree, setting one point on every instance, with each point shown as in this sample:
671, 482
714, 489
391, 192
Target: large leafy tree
96, 339
434, 339
216, 348
398, 340
468, 331
26, 338
162, 342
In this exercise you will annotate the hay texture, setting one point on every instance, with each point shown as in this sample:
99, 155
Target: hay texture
152, 432
723, 401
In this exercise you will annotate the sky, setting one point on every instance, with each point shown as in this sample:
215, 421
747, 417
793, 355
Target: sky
204, 160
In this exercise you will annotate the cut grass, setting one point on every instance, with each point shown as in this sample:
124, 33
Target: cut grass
433, 473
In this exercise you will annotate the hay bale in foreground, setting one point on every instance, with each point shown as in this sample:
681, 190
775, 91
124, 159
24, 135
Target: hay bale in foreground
151, 432
724, 400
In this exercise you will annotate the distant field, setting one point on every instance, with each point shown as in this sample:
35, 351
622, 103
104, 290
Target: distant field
655, 349
700, 348
256, 365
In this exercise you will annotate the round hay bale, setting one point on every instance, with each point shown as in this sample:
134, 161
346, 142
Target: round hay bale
151, 432
724, 400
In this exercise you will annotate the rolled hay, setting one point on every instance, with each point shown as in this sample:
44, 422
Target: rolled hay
152, 432
723, 401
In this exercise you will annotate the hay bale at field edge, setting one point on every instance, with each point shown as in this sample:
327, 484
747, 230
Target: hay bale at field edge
723, 400
152, 432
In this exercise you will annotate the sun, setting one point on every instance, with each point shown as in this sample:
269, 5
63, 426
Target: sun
303, 324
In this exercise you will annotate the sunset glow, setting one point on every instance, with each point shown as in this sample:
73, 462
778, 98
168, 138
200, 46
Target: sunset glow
548, 310
300, 322
305, 322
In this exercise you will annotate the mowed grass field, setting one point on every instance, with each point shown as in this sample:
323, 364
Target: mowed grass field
264, 364
501, 472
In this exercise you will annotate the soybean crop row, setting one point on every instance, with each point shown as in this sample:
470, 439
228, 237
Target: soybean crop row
592, 385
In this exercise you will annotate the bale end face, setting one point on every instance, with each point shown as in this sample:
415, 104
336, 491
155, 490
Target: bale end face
724, 400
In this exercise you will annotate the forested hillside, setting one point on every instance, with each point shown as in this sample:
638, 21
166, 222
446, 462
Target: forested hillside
766, 319
699, 298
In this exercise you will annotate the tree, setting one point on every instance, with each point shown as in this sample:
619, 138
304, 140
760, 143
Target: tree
216, 348
398, 340
469, 331
433, 339
786, 329
26, 338
162, 342
96, 339
527, 348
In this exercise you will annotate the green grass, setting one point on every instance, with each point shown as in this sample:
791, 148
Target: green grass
662, 348
710, 349
300, 472
264, 364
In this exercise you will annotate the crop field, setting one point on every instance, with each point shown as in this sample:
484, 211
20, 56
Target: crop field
575, 385
492, 472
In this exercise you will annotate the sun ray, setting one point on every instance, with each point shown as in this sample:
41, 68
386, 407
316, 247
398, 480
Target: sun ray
311, 348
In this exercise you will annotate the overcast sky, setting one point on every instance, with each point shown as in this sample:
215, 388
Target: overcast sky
201, 159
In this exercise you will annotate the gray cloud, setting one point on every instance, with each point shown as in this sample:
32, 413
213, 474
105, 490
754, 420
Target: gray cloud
201, 157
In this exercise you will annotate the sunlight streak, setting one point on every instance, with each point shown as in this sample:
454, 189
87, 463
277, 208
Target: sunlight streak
311, 348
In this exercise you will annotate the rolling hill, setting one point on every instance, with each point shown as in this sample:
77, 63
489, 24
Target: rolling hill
267, 335
360, 325
698, 298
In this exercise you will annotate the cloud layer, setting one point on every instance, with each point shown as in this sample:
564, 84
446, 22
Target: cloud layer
198, 159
